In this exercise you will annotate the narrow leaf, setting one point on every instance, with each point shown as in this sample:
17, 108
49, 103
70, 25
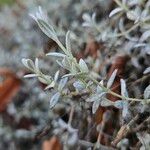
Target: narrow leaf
79, 85
145, 36
119, 104
93, 17
123, 88
56, 76
54, 99
83, 66
115, 11
125, 110
147, 92
147, 70
62, 83
66, 63
73, 68
111, 79
37, 64
30, 75
98, 88
42, 80
95, 106
59, 63
86, 24
46, 79
24, 61
28, 63
67, 75
55, 54
47, 29
132, 15
68, 45
86, 17
140, 45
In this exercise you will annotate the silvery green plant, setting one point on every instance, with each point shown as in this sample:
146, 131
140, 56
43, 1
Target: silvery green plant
123, 22
78, 70
71, 137
139, 16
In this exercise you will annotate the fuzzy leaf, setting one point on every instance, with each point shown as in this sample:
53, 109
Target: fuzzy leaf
45, 80
37, 64
139, 45
147, 70
125, 110
89, 84
147, 92
30, 75
86, 24
115, 11
73, 138
54, 99
68, 43
28, 63
55, 54
47, 29
73, 68
132, 15
123, 88
101, 95
62, 83
65, 62
83, 66
86, 17
42, 80
67, 75
119, 104
79, 85
98, 88
56, 76
24, 61
59, 63
95, 106
111, 79
145, 36
93, 17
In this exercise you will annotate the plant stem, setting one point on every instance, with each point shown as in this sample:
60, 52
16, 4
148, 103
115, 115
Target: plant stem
115, 94
71, 114
126, 32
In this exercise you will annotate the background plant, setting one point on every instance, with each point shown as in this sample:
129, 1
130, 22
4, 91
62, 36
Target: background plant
86, 86
80, 70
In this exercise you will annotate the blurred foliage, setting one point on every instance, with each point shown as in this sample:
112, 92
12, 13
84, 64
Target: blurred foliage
8, 2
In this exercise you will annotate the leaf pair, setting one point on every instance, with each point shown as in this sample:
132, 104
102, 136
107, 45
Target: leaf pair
34, 67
